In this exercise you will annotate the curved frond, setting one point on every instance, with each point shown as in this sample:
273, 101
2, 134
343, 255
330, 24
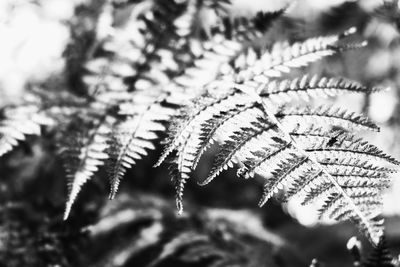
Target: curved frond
354, 199
317, 157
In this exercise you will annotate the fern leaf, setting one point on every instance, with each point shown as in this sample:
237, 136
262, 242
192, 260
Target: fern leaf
179, 181
311, 170
133, 148
17, 122
367, 200
222, 52
229, 51
185, 155
282, 58
355, 208
307, 169
154, 40
134, 136
222, 45
351, 177
83, 156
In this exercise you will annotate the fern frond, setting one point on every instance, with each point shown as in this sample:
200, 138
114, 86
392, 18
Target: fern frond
355, 208
168, 50
133, 136
282, 58
152, 47
240, 29
179, 181
133, 147
17, 122
312, 188
221, 54
83, 157
145, 110
336, 208
302, 156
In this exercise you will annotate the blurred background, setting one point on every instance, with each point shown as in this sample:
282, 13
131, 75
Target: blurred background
35, 35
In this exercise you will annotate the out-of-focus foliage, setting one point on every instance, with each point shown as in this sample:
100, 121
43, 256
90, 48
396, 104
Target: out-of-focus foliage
30, 235
143, 230
146, 231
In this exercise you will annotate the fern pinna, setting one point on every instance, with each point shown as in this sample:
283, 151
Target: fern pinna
163, 56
